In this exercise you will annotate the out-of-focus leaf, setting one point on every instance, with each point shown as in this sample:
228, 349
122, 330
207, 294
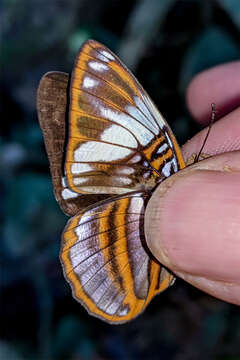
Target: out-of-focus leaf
11, 155
214, 46
32, 213
8, 351
38, 33
77, 39
213, 329
72, 340
232, 7
145, 20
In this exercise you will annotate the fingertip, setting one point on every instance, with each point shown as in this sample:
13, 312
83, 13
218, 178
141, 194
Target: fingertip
193, 221
219, 85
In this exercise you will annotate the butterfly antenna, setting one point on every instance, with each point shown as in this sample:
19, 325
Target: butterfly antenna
208, 132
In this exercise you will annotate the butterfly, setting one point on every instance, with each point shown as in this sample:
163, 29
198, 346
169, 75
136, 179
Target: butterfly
108, 148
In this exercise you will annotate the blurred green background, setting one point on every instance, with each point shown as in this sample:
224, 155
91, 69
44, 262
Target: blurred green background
165, 43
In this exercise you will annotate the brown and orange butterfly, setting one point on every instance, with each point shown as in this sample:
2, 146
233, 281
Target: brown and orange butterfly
115, 149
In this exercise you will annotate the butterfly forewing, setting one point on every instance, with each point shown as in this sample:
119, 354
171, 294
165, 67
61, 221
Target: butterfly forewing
118, 141
106, 261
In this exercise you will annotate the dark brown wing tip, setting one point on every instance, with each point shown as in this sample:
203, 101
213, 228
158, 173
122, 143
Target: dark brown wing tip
91, 41
52, 76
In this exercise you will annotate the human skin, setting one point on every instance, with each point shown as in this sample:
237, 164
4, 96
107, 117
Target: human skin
192, 221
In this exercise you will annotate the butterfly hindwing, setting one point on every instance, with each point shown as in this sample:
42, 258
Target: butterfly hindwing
52, 104
106, 261
118, 141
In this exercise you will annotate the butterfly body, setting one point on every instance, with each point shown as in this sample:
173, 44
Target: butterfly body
119, 147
